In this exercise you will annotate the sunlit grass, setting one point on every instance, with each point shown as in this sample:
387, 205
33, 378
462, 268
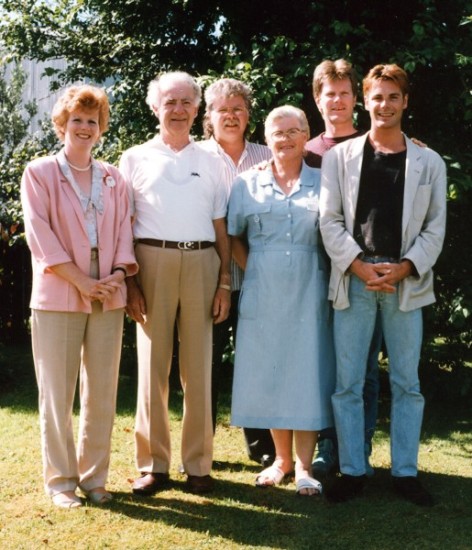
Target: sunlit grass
237, 515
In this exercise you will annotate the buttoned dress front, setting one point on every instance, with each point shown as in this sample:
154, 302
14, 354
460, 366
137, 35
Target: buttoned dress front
284, 361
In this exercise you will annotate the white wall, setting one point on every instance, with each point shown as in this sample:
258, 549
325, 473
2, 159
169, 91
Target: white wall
37, 88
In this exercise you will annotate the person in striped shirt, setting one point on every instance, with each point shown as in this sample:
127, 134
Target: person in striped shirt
226, 127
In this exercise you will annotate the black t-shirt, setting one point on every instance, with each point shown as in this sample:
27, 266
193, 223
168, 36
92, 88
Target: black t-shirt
378, 224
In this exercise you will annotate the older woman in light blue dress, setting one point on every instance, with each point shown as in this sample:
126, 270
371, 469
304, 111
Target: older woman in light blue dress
284, 364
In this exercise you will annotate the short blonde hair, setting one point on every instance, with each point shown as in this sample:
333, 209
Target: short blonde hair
286, 111
84, 97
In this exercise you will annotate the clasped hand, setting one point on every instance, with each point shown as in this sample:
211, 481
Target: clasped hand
381, 277
102, 289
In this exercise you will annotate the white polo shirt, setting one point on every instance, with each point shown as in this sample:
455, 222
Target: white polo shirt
174, 196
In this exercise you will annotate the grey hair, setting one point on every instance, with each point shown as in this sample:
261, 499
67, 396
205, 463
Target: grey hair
224, 87
286, 111
154, 88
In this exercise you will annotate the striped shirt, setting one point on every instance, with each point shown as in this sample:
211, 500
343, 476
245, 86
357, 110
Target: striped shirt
253, 153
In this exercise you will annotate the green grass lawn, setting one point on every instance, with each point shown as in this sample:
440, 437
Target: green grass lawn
237, 515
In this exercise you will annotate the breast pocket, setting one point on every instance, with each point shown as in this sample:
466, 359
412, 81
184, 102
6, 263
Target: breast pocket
260, 219
313, 211
305, 215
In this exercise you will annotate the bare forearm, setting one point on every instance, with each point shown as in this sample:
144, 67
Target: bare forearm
135, 302
223, 248
90, 288
71, 273
240, 250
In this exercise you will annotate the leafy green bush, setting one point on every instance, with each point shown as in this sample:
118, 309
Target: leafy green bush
17, 148
124, 44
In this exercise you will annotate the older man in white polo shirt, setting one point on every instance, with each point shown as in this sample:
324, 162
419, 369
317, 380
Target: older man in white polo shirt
179, 202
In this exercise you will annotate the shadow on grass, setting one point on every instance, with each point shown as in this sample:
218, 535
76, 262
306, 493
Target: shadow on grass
18, 388
18, 391
277, 518
226, 466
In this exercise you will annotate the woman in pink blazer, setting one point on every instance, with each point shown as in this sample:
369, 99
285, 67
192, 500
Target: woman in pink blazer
78, 228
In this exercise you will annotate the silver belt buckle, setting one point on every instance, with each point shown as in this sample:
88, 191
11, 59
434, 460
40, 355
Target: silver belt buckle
186, 245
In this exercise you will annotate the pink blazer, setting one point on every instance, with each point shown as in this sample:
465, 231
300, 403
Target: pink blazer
56, 233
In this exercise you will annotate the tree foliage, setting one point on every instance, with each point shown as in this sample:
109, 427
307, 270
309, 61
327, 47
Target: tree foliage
16, 149
271, 45
274, 47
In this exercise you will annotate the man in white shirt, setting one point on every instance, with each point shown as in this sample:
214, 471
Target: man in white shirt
179, 204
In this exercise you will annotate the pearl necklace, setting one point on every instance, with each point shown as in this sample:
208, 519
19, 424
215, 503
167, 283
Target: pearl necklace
79, 169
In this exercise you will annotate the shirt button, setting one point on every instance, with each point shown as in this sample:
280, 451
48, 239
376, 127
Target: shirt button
287, 253
288, 234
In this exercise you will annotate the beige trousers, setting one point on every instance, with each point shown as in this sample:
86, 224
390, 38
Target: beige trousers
64, 345
177, 286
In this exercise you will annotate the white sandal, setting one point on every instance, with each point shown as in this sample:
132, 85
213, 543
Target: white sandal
66, 499
309, 483
98, 496
273, 475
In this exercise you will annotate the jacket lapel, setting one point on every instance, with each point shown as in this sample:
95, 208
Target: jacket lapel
354, 157
74, 200
105, 182
414, 168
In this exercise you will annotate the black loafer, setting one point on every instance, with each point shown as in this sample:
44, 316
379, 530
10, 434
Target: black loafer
345, 488
411, 489
149, 483
199, 484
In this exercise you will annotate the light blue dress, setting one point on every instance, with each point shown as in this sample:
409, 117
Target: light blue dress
284, 371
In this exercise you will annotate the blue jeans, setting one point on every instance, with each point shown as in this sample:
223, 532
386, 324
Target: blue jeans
371, 383
402, 332
370, 392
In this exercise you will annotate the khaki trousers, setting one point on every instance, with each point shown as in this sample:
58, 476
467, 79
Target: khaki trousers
64, 345
177, 285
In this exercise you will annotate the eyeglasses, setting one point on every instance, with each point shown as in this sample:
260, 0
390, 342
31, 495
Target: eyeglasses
237, 111
292, 133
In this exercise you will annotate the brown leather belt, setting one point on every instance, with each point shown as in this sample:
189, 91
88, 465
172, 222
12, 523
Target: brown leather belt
94, 253
180, 245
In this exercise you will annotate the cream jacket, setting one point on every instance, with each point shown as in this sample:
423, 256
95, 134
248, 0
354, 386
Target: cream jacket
423, 224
